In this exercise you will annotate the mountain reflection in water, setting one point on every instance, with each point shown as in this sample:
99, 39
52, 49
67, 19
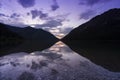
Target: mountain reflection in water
105, 53
56, 63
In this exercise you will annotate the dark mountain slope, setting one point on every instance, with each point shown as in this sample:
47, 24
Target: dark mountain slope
7, 37
102, 27
30, 33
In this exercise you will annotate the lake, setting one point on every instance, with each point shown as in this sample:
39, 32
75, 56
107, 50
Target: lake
78, 61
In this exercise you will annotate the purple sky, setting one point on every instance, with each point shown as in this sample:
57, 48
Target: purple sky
56, 16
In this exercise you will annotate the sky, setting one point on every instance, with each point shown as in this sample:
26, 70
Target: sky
56, 16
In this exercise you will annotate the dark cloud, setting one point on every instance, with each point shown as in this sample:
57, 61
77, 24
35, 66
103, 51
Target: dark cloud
28, 13
27, 3
40, 14
88, 14
92, 2
2, 14
51, 23
34, 13
0, 5
14, 15
55, 5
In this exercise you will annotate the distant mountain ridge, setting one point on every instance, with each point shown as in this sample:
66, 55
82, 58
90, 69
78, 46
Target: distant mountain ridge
30, 33
102, 27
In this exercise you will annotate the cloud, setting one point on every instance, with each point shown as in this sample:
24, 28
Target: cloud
50, 56
14, 15
92, 2
88, 14
2, 15
0, 5
55, 5
26, 3
12, 20
66, 30
40, 14
51, 23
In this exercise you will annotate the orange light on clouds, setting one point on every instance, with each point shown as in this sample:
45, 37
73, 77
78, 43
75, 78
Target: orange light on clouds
57, 33
61, 35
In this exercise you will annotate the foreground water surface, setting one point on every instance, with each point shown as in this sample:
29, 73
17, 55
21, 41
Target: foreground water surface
58, 62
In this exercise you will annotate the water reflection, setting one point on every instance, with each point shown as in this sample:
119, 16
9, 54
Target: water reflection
27, 46
56, 63
104, 53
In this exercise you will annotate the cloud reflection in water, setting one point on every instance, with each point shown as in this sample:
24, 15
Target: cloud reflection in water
56, 63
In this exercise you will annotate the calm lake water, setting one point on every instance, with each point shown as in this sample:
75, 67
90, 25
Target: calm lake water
59, 62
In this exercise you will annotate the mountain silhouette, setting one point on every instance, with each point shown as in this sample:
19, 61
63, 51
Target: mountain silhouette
7, 37
30, 33
102, 27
